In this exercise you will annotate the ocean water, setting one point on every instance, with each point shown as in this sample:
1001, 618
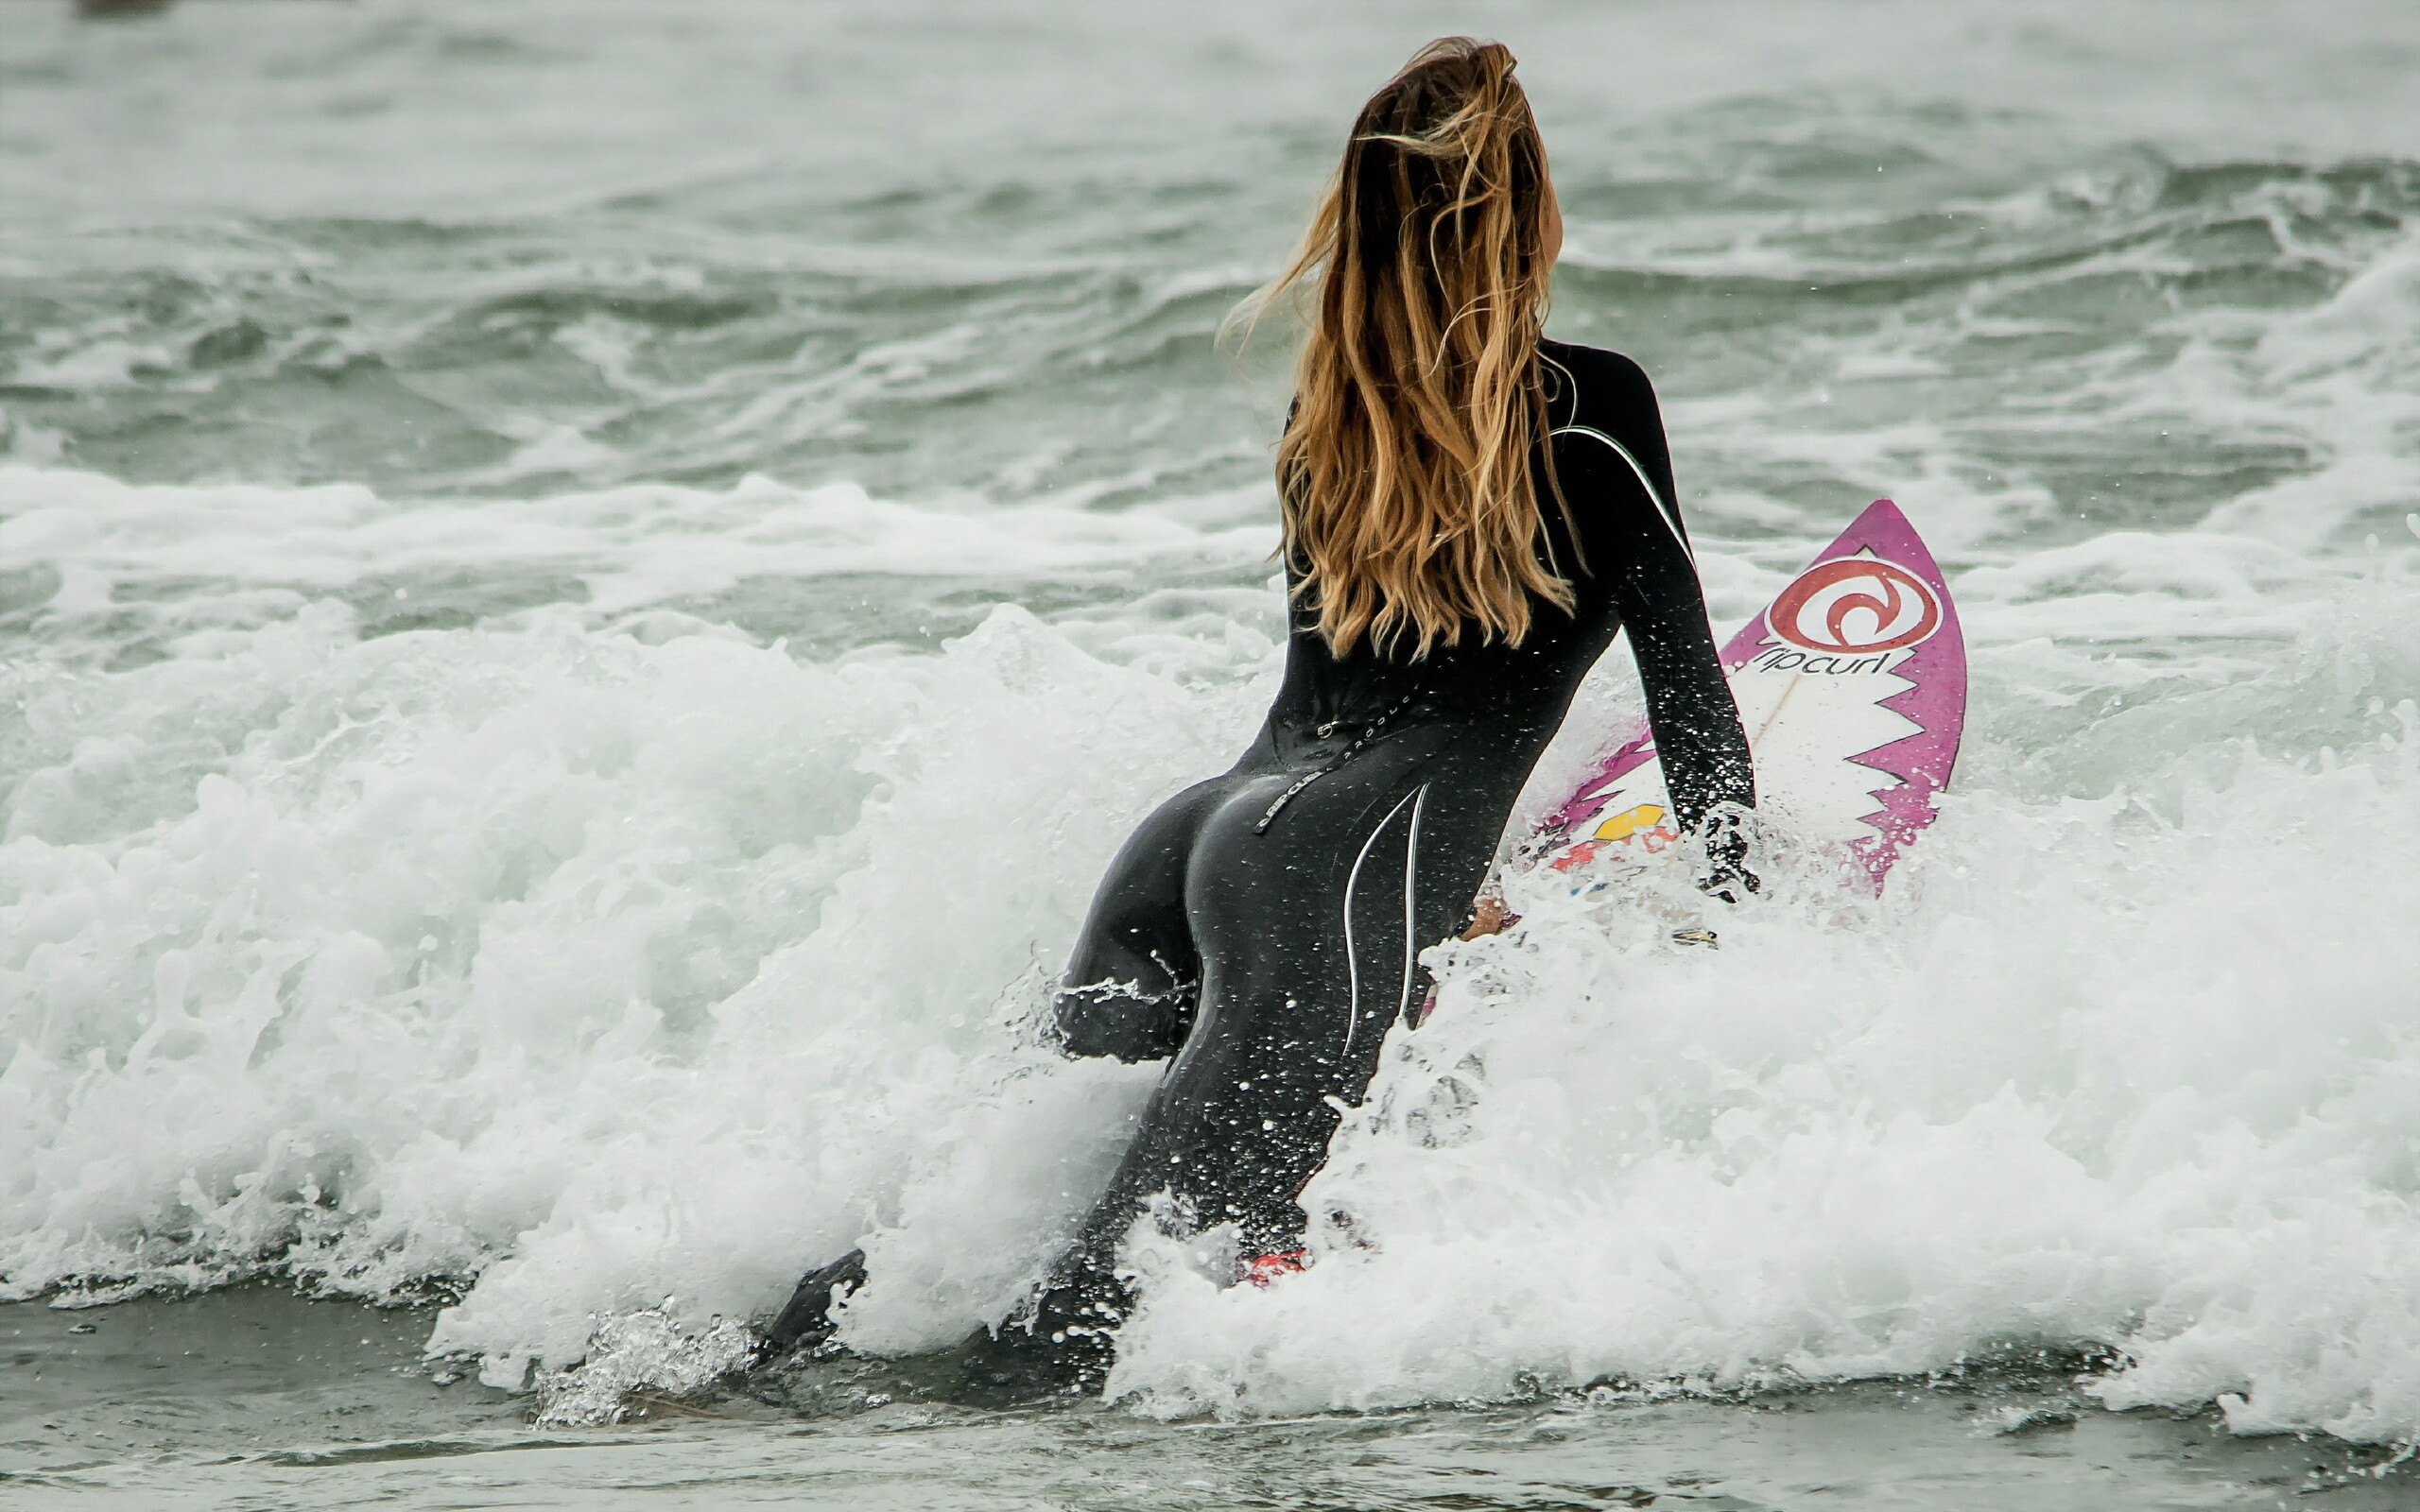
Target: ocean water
585, 590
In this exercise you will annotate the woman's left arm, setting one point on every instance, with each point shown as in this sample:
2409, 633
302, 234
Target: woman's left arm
1698, 735
1653, 578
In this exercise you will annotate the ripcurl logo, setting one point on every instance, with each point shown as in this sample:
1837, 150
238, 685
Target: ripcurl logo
1854, 604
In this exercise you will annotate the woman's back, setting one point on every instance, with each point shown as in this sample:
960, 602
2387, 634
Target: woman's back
1617, 536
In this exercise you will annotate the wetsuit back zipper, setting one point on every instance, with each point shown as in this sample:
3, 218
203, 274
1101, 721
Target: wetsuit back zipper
1370, 732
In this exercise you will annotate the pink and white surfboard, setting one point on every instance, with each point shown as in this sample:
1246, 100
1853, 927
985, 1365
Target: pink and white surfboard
1852, 684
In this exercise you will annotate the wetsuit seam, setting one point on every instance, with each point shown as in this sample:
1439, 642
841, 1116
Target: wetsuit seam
1663, 512
1410, 905
1352, 952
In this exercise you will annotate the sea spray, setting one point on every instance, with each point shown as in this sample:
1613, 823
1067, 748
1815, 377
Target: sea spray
549, 944
645, 1351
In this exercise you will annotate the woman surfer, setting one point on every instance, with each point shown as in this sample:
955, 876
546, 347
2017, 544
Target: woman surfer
1472, 511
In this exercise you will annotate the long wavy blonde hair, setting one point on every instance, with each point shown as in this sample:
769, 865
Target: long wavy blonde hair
1411, 517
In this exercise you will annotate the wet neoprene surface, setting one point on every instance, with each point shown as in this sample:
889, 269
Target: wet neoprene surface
1269, 951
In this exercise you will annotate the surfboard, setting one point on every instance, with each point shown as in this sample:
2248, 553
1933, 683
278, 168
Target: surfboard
1852, 684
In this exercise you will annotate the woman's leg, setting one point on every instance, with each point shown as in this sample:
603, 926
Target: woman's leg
1309, 933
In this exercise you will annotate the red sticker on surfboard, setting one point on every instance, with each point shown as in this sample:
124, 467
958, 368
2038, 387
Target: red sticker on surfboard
1854, 604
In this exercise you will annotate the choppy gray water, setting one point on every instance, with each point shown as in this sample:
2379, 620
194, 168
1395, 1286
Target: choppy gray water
585, 589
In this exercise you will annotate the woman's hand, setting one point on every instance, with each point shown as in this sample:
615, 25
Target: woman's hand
1727, 848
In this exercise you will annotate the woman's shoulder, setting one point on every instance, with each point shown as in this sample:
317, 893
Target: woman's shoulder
1594, 372
1600, 390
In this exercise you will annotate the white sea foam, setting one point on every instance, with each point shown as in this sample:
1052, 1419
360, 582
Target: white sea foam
607, 970
386, 959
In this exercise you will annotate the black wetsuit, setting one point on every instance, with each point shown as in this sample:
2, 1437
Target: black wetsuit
1263, 927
